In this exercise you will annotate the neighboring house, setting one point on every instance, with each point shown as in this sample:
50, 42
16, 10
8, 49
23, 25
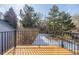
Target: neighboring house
6, 35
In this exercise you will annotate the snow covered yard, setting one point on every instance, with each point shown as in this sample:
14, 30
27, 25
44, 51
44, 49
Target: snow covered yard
42, 40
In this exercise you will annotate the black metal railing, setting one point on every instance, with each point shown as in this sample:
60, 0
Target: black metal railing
25, 37
74, 42
7, 41
69, 41
10, 39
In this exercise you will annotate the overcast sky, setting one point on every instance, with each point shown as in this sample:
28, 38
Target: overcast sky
42, 8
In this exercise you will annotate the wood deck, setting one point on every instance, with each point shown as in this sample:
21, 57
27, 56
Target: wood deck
38, 50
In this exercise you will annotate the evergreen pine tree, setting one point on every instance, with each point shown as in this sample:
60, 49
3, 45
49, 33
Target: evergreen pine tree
59, 21
29, 17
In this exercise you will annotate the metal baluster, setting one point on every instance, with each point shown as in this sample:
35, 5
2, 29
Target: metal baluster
74, 46
5, 41
2, 43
